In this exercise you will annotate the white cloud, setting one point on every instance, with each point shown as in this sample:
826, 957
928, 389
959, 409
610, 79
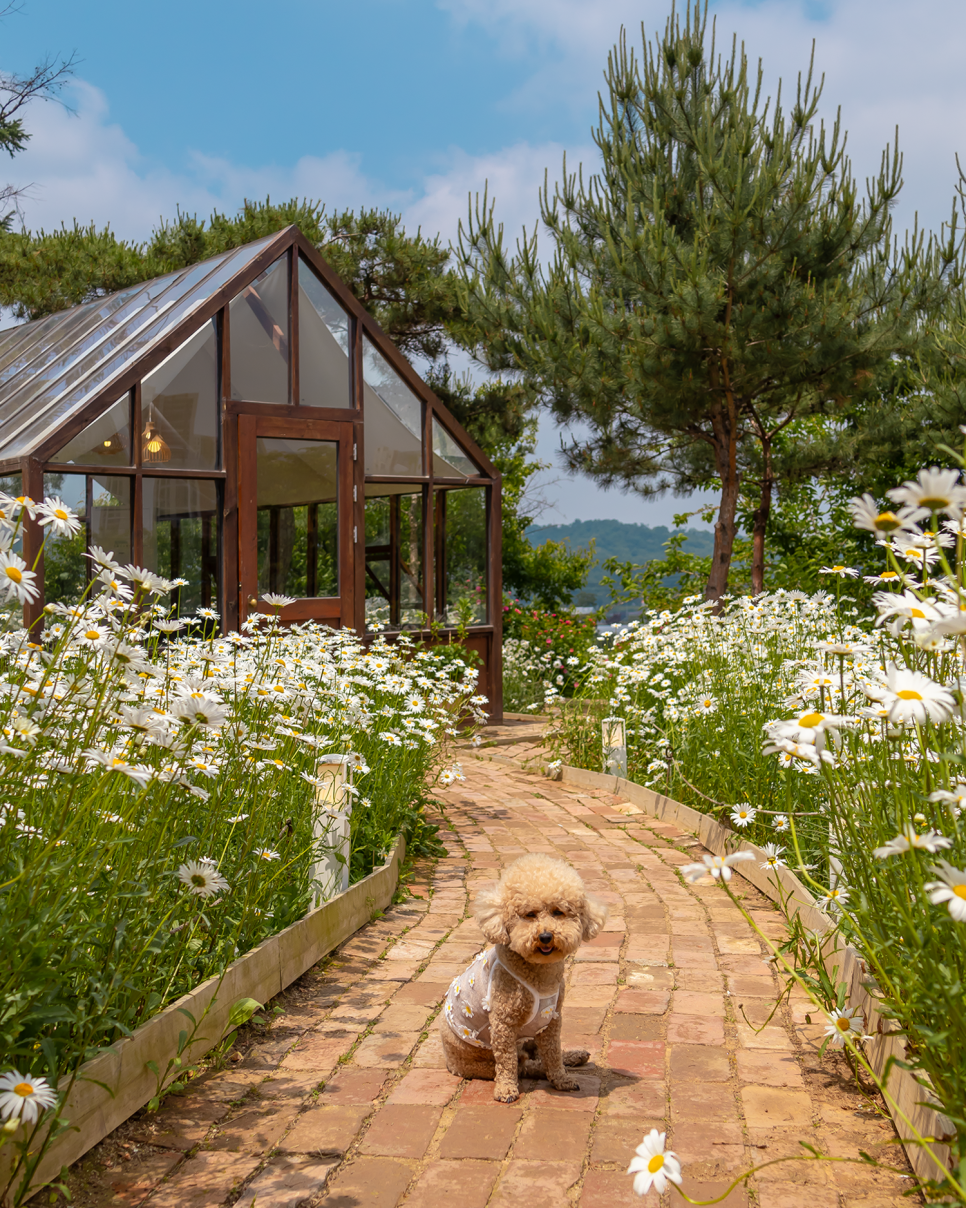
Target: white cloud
885, 65
82, 165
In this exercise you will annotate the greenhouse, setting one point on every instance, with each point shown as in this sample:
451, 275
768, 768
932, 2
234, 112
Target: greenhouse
245, 425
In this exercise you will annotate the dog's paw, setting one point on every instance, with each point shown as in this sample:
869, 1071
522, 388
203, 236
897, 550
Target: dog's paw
564, 1084
576, 1057
506, 1094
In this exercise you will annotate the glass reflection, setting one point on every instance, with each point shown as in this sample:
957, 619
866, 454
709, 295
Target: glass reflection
450, 459
180, 426
461, 556
323, 345
105, 441
394, 561
65, 566
393, 417
182, 532
298, 531
258, 320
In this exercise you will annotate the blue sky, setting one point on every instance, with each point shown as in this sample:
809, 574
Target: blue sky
413, 104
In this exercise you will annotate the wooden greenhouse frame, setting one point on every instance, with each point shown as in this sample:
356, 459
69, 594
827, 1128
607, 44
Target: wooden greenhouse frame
62, 375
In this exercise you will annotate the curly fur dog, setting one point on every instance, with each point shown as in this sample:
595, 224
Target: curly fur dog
504, 1010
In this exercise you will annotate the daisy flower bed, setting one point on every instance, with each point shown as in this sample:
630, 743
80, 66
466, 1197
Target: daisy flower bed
159, 810
836, 742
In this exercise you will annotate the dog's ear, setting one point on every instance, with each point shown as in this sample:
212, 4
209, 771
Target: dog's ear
593, 915
488, 912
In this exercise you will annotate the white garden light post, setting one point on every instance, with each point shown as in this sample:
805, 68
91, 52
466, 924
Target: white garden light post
330, 828
614, 740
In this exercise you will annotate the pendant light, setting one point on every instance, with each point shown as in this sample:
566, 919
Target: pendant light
154, 447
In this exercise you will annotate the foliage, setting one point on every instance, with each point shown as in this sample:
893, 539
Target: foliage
860, 780
717, 280
542, 652
164, 807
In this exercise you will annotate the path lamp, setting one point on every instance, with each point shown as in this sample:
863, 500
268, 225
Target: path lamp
330, 828
614, 741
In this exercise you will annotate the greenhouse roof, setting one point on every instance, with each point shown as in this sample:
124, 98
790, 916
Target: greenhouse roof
51, 368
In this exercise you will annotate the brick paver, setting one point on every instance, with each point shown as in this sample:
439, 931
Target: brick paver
345, 1099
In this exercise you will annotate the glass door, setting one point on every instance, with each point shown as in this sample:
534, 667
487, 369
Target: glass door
295, 534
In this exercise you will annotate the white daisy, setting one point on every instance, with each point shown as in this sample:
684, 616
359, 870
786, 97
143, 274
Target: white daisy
202, 878
16, 582
63, 521
653, 1166
717, 866
23, 1097
743, 815
912, 696
951, 890
773, 856
908, 840
845, 1024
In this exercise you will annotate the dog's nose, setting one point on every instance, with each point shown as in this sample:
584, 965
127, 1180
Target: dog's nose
546, 937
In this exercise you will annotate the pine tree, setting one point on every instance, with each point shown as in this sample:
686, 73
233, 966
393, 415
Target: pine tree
716, 281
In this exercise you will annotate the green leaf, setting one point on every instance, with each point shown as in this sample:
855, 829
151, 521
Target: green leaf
242, 1011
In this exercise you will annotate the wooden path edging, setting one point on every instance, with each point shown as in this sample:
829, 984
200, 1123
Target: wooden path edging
112, 1086
844, 963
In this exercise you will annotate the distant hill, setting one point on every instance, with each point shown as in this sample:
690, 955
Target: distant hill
637, 543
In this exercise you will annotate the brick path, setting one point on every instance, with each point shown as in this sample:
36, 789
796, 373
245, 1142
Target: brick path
344, 1100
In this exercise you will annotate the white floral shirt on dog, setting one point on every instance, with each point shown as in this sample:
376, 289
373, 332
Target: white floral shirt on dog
467, 1006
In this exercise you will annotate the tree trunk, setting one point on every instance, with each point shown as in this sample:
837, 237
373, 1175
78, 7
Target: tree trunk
724, 426
760, 523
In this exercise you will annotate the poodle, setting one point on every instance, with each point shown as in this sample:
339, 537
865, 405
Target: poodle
504, 1010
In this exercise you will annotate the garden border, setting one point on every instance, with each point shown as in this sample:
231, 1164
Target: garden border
843, 963
112, 1086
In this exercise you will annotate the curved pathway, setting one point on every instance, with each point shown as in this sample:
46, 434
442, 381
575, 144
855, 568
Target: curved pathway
344, 1100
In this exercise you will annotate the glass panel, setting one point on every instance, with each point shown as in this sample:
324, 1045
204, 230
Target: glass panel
461, 556
323, 345
449, 457
390, 387
65, 564
109, 523
298, 517
179, 407
106, 441
394, 561
393, 418
182, 538
258, 320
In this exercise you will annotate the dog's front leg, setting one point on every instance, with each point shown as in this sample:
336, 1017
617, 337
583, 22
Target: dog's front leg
503, 1039
548, 1045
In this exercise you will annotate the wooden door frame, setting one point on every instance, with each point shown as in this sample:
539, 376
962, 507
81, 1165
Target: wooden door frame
333, 610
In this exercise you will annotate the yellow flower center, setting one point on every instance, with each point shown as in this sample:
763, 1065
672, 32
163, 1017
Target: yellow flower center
960, 891
917, 612
810, 720
842, 1024
60, 513
197, 879
909, 694
889, 574
934, 505
655, 1163
92, 635
14, 573
23, 1089
838, 568
887, 521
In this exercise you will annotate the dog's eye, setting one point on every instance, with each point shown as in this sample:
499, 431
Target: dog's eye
532, 914
558, 913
